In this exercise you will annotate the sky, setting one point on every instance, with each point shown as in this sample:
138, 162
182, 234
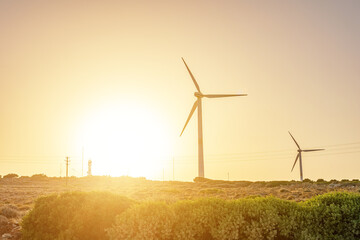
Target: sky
105, 80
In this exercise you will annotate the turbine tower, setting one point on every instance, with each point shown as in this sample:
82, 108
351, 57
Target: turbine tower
299, 156
198, 104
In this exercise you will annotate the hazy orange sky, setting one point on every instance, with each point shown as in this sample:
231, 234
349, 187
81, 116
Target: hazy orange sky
108, 75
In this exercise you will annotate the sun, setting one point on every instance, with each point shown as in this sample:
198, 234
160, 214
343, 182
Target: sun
126, 139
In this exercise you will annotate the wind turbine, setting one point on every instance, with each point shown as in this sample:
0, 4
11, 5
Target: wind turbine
198, 104
299, 156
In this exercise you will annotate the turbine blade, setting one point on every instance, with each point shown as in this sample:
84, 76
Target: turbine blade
295, 141
189, 117
297, 157
223, 95
313, 150
192, 76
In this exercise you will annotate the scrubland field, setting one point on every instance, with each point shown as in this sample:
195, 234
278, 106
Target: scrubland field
136, 208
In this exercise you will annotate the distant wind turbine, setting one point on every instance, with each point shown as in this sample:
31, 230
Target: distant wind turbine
299, 156
199, 95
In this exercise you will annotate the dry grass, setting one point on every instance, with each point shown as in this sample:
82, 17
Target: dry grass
21, 193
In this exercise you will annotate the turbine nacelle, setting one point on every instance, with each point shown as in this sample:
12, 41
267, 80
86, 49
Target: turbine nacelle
198, 94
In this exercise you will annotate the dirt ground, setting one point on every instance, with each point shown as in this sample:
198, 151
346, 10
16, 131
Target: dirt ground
18, 195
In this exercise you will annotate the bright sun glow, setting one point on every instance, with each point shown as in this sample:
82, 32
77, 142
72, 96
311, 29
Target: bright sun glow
126, 140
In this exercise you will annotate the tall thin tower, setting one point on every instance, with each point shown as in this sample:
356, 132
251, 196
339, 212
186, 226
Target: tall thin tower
198, 105
89, 167
67, 161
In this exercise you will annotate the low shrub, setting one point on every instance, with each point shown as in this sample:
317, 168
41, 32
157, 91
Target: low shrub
202, 179
277, 183
73, 215
3, 220
11, 175
152, 220
307, 180
9, 211
5, 225
40, 176
330, 216
242, 183
333, 216
202, 218
283, 190
212, 191
86, 215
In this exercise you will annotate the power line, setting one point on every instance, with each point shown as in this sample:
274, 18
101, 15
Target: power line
334, 149
342, 144
249, 159
211, 158
339, 153
275, 152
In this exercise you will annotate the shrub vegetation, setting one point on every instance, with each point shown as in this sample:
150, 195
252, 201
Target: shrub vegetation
9, 211
11, 175
73, 215
39, 176
329, 216
86, 215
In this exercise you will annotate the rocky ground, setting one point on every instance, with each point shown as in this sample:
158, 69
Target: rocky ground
17, 195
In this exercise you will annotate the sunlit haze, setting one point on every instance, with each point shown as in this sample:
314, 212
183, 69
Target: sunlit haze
105, 78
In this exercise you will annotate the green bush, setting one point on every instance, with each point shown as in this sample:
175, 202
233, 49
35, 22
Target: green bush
251, 218
206, 219
196, 219
86, 215
330, 216
73, 215
333, 216
144, 221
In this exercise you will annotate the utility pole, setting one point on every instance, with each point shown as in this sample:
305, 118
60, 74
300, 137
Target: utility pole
67, 161
173, 169
228, 176
82, 162
163, 175
89, 167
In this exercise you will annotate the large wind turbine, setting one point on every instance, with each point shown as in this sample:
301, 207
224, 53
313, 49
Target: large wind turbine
199, 95
299, 156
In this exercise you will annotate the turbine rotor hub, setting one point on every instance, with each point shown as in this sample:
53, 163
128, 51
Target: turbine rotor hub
198, 95
299, 150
